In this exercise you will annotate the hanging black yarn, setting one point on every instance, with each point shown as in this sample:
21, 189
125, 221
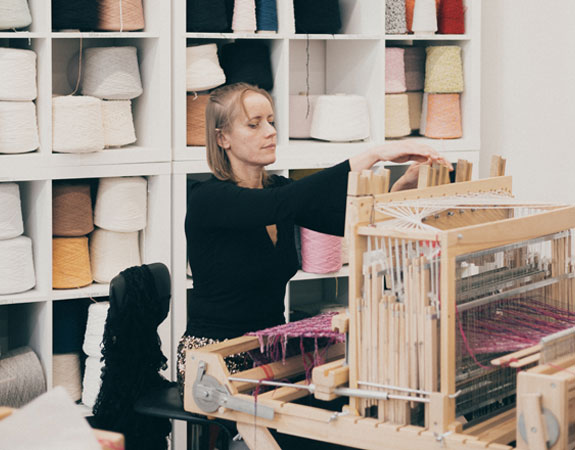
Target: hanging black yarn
207, 16
317, 16
248, 61
133, 358
75, 15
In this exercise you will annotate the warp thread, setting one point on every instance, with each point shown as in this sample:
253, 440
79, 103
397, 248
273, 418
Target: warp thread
120, 15
77, 124
11, 222
18, 69
71, 209
267, 15
203, 70
66, 372
207, 16
22, 377
133, 358
14, 14
111, 252
320, 253
397, 116
77, 15
121, 204
70, 263
340, 118
248, 61
118, 122
244, 18
196, 119
394, 70
395, 17
18, 127
444, 69
16, 265
317, 17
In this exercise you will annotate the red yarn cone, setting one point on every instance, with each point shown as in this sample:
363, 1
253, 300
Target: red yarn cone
451, 17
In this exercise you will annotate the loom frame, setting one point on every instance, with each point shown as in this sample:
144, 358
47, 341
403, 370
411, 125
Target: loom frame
349, 427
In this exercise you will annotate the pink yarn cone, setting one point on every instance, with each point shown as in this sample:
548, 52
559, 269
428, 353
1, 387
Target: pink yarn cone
320, 253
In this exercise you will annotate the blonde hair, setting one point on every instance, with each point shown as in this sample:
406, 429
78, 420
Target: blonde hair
224, 105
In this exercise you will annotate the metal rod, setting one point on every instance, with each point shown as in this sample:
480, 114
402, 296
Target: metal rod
394, 388
308, 387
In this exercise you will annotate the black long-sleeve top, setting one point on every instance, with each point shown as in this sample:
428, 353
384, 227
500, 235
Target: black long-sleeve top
239, 275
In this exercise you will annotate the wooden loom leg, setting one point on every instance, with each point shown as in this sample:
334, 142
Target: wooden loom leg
257, 436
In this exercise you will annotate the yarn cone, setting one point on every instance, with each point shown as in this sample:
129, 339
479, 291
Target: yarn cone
451, 17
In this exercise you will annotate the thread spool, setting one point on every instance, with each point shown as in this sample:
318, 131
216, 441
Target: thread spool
71, 209
110, 73
443, 116
14, 14
289, 20
409, 5
340, 118
244, 18
120, 15
11, 223
451, 17
66, 373
21, 377
319, 16
414, 60
111, 252
69, 325
301, 109
394, 70
79, 15
196, 119
121, 204
320, 253
70, 263
415, 102
203, 70
77, 124
92, 381
16, 265
444, 70
395, 17
118, 123
18, 69
206, 16
18, 127
267, 16
424, 17
95, 325
396, 116
248, 61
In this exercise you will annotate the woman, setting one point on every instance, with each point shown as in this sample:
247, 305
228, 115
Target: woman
240, 223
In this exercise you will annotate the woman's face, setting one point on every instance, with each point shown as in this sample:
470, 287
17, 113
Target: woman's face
251, 139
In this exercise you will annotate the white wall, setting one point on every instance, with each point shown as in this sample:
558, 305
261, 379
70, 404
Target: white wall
528, 95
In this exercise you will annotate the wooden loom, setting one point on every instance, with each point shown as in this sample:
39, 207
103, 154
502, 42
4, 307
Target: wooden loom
402, 384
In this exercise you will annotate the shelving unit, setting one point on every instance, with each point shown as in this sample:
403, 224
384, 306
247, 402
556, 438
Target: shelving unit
351, 62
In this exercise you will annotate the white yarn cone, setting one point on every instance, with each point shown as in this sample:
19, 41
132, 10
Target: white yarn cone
203, 70
95, 325
340, 118
11, 224
424, 17
16, 265
301, 108
66, 373
14, 14
111, 73
111, 252
18, 69
244, 17
121, 204
92, 380
118, 123
18, 127
77, 124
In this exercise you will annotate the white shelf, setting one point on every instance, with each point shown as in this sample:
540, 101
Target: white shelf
302, 276
427, 37
93, 291
103, 34
32, 296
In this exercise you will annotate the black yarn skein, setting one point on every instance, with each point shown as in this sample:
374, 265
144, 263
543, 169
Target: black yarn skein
248, 61
317, 16
75, 15
207, 16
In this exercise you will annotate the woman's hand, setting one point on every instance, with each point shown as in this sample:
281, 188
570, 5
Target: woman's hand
409, 179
